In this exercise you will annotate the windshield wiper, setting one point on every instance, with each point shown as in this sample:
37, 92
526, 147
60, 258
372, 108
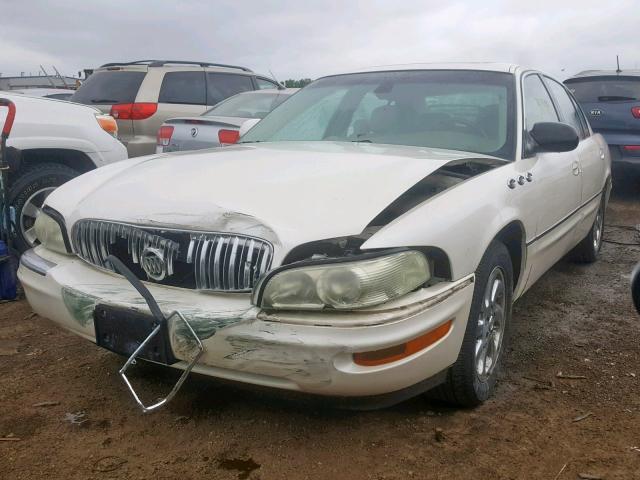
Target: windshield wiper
365, 140
103, 100
613, 98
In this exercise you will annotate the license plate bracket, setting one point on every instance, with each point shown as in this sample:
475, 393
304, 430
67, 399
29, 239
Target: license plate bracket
122, 330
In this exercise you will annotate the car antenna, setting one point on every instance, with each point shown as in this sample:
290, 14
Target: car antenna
274, 77
618, 63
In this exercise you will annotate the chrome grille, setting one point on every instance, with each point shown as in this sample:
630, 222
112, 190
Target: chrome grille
225, 262
198, 260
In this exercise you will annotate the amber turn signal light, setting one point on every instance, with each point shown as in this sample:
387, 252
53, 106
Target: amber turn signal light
108, 124
398, 352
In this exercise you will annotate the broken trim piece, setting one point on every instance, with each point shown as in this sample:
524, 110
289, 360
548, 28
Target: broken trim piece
161, 322
132, 361
457, 171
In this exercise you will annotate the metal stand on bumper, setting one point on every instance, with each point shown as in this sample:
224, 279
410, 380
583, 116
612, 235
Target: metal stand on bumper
160, 322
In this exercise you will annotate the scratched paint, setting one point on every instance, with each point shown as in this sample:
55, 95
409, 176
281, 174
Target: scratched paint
204, 324
80, 305
284, 360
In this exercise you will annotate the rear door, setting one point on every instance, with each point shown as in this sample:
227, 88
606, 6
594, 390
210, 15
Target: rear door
182, 94
609, 102
591, 157
222, 85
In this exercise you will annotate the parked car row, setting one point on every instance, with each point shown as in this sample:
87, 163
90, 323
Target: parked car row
364, 241
221, 124
141, 95
127, 102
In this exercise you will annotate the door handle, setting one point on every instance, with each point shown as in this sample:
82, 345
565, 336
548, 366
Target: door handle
575, 166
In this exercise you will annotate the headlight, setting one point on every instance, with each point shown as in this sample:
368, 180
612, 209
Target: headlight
345, 285
49, 233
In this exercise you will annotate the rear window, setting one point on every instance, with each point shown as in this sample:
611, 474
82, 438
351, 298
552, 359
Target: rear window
183, 87
248, 105
224, 85
109, 87
604, 89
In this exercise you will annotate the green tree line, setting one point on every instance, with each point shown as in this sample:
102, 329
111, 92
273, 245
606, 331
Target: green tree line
291, 83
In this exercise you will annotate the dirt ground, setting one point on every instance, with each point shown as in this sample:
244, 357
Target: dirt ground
64, 413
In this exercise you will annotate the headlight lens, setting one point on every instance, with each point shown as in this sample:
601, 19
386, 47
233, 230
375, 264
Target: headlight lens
49, 234
346, 285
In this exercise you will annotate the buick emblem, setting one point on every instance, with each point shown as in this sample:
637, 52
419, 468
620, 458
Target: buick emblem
153, 263
596, 112
194, 132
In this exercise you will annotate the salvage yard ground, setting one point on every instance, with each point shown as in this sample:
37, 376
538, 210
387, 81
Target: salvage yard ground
567, 407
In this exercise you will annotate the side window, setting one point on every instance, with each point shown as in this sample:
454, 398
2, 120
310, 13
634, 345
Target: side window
567, 109
538, 106
583, 118
224, 85
183, 87
263, 84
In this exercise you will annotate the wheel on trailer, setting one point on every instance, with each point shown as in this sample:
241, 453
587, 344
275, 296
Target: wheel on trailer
27, 194
472, 379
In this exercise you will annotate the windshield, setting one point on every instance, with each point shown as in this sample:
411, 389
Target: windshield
459, 110
605, 89
248, 105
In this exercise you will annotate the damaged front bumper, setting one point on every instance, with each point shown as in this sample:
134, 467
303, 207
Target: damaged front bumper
309, 352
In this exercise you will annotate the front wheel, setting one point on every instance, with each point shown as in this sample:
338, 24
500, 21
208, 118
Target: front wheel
472, 379
27, 194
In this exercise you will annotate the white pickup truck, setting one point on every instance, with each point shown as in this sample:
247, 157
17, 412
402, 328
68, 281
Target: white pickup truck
59, 141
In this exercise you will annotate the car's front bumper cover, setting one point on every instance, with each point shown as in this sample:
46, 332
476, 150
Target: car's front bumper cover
301, 351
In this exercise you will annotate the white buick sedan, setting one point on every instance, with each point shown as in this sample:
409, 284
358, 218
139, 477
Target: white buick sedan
365, 241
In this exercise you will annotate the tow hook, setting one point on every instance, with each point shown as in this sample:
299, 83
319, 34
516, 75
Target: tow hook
160, 322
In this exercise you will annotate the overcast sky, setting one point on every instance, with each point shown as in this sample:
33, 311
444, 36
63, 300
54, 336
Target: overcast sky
305, 38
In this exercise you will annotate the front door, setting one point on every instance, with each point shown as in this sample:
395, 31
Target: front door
556, 185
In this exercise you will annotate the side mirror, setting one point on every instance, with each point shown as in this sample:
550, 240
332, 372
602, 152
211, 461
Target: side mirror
635, 287
555, 137
248, 125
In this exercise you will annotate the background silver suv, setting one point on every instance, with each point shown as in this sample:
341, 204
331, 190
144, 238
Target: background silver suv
141, 95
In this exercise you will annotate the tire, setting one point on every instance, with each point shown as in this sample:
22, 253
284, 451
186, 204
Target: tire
635, 287
465, 386
588, 249
27, 193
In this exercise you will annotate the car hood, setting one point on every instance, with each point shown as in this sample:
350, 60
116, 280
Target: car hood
288, 193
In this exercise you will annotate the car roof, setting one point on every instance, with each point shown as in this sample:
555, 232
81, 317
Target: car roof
606, 73
41, 92
176, 65
483, 66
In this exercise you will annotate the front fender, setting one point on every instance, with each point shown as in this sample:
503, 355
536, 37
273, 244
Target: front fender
461, 221
41, 142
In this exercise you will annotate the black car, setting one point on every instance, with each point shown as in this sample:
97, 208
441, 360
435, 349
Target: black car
611, 101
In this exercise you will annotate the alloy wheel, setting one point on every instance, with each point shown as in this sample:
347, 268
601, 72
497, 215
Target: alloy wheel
598, 226
491, 325
31, 209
